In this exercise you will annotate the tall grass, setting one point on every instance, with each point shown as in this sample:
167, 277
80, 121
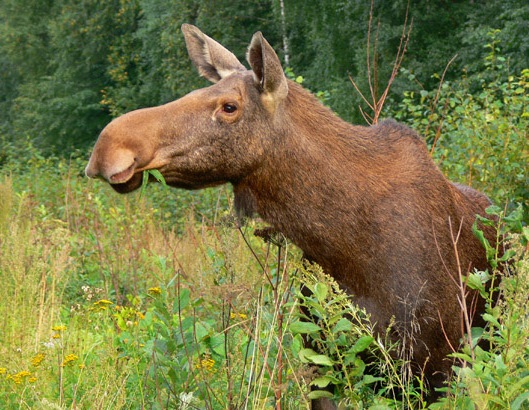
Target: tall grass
105, 305
34, 265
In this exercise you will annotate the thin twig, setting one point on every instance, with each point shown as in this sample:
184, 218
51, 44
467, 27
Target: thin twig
377, 103
434, 104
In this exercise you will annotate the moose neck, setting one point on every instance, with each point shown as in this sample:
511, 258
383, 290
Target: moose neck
311, 178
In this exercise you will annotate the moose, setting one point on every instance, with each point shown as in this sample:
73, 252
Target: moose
366, 203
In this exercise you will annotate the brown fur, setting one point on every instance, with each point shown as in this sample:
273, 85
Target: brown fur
366, 203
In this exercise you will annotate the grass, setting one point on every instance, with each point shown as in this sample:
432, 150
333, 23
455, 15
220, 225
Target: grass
109, 306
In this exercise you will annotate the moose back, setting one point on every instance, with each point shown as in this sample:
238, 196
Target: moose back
365, 203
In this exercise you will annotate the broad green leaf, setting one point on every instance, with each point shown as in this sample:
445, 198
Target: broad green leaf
201, 331
183, 300
491, 319
306, 354
369, 379
359, 367
362, 344
304, 327
319, 394
343, 325
321, 359
321, 382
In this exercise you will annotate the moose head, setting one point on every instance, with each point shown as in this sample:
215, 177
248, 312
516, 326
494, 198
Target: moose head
209, 137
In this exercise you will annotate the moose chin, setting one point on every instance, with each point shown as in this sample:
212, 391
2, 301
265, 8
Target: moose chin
366, 203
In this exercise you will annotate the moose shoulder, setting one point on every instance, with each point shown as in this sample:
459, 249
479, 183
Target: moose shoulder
366, 203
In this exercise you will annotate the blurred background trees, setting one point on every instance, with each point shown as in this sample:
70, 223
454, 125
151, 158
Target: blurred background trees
68, 67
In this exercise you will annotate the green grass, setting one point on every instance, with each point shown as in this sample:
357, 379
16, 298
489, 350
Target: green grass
107, 305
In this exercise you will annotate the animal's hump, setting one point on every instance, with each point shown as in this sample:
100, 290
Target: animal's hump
391, 127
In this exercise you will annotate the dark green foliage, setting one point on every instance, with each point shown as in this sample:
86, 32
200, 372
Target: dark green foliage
68, 67
497, 377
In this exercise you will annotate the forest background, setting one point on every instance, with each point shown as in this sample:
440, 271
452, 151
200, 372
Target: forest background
69, 67
158, 299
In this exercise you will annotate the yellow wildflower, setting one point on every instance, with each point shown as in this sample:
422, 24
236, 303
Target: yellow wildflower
102, 304
19, 377
3, 370
69, 359
32, 379
37, 360
60, 328
241, 316
155, 291
207, 364
56, 336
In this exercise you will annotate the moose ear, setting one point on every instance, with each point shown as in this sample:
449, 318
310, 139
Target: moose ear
212, 60
267, 68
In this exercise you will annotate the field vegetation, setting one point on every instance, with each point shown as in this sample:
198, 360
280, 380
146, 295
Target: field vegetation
162, 300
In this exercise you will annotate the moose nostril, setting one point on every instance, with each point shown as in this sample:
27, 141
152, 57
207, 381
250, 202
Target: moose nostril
90, 172
113, 165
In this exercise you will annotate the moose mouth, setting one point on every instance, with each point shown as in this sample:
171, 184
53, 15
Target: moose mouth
132, 177
129, 185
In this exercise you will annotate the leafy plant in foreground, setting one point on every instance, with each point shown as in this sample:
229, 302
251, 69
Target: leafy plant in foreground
497, 377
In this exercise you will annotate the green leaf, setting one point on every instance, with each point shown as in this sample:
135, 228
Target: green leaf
491, 319
477, 333
217, 344
306, 354
319, 394
304, 327
145, 180
359, 368
522, 398
500, 365
183, 300
201, 331
320, 291
369, 379
490, 251
362, 344
310, 356
158, 176
297, 344
321, 382
343, 325
474, 281
322, 360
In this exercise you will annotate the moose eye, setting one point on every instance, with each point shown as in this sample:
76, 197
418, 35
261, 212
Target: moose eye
229, 108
